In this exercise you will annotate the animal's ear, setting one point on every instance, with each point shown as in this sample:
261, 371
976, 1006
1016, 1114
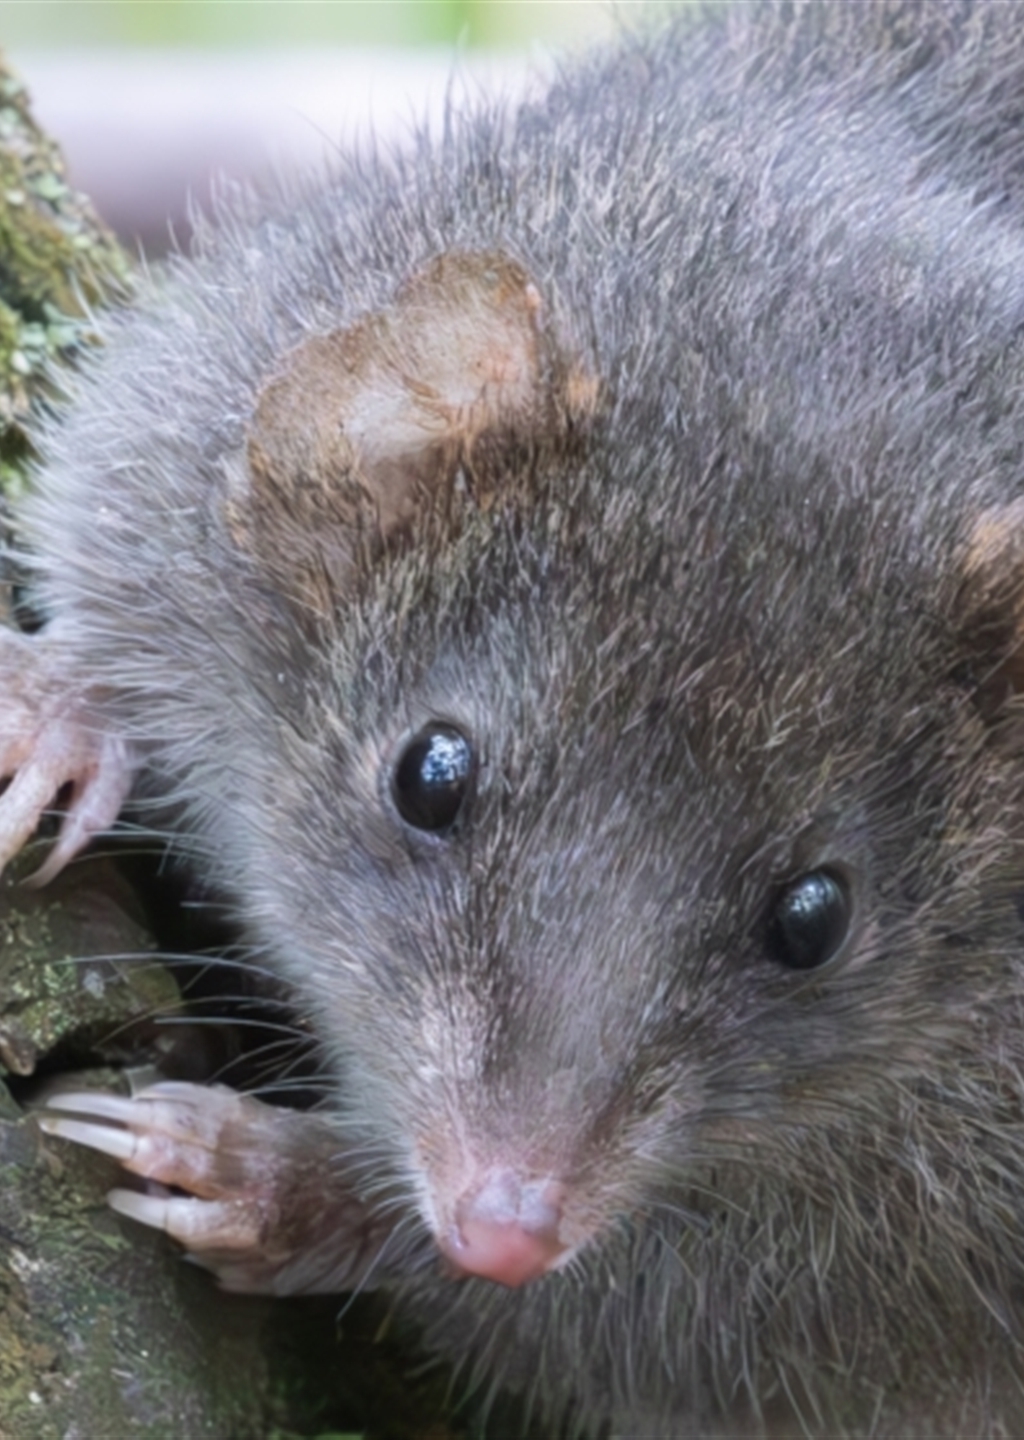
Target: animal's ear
991, 606
364, 428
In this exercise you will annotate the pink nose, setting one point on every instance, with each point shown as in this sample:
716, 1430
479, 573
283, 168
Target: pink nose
506, 1229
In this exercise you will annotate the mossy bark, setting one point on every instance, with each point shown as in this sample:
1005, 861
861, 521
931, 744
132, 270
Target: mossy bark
57, 262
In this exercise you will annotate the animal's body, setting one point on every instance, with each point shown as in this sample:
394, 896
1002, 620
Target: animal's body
571, 577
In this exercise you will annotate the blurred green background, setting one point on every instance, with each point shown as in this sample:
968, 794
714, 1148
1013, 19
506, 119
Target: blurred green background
154, 101
263, 23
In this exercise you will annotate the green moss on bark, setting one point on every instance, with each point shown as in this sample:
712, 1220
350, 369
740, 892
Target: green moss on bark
57, 262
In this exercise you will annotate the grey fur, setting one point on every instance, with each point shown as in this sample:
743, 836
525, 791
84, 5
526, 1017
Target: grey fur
721, 638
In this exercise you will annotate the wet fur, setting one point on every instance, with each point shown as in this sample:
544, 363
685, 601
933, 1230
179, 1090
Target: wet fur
721, 634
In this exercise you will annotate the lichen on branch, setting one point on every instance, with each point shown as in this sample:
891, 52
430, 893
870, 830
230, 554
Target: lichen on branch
58, 262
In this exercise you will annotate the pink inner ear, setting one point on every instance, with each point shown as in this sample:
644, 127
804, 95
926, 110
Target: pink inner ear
394, 402
991, 601
996, 538
362, 429
456, 358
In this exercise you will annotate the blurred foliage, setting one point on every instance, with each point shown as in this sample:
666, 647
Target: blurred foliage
300, 22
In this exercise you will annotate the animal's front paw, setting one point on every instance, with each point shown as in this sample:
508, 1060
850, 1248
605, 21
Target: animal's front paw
48, 741
268, 1205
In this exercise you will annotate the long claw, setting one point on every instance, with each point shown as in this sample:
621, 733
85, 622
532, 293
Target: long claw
104, 1138
90, 1102
268, 1207
178, 1134
151, 1210
96, 801
50, 738
200, 1225
21, 808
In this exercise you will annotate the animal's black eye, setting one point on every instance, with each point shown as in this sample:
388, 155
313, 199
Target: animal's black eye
809, 921
432, 777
